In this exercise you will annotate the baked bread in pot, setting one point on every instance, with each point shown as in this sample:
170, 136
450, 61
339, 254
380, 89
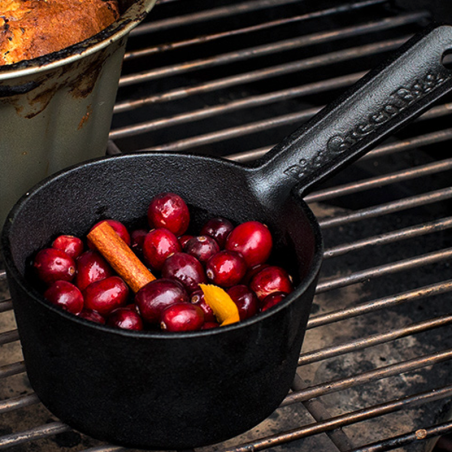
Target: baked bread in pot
32, 28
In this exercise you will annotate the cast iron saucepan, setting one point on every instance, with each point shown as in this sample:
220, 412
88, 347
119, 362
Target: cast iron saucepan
176, 391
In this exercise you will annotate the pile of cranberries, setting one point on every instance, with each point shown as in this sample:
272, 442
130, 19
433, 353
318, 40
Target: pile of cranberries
76, 277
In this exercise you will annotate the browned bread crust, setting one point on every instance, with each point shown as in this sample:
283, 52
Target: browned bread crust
32, 28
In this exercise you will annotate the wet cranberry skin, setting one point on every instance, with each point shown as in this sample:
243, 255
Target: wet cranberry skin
245, 299
218, 228
252, 240
157, 295
271, 279
92, 316
66, 295
137, 237
91, 267
251, 272
106, 295
70, 244
126, 319
158, 245
186, 269
202, 247
120, 229
226, 268
182, 317
272, 300
183, 239
53, 265
197, 298
169, 210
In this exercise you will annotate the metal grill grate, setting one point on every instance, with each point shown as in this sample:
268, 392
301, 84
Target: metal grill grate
233, 80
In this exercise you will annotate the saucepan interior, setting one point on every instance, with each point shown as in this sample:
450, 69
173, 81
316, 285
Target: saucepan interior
156, 389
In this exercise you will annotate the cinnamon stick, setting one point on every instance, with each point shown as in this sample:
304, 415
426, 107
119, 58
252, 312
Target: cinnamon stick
119, 255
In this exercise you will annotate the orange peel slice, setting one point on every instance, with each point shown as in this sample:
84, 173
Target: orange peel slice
223, 307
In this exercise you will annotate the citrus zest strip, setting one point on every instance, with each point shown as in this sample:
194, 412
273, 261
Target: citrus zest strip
223, 307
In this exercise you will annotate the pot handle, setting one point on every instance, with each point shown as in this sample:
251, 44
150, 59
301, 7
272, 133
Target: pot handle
376, 106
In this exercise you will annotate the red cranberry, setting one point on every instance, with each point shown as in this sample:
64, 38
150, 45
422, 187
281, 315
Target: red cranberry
157, 295
209, 325
125, 318
65, 295
197, 298
203, 247
158, 245
92, 316
245, 299
120, 229
53, 265
182, 317
91, 267
183, 239
226, 268
70, 244
186, 269
252, 240
218, 228
271, 300
251, 272
271, 279
168, 210
106, 295
137, 237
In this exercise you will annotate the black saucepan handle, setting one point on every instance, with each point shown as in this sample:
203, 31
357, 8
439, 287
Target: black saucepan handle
376, 106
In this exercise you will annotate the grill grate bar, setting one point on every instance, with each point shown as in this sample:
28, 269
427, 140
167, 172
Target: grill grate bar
381, 181
243, 7
18, 402
8, 337
379, 304
6, 305
327, 284
248, 102
370, 341
381, 151
198, 40
390, 207
366, 377
411, 143
409, 438
12, 369
283, 69
376, 26
390, 237
274, 122
235, 132
40, 432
